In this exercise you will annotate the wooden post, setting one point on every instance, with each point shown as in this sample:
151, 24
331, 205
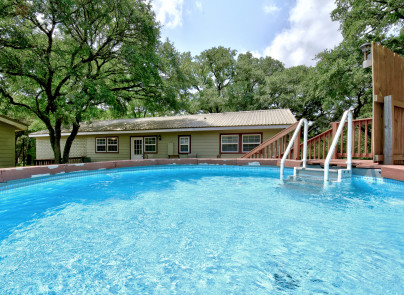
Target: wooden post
276, 149
334, 127
353, 139
388, 130
378, 77
296, 148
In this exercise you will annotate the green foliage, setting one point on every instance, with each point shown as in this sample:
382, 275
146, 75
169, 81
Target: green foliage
292, 88
342, 81
213, 71
224, 83
24, 149
375, 17
218, 64
249, 81
61, 61
375, 20
65, 62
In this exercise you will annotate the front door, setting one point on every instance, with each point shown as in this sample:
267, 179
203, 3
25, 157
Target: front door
136, 144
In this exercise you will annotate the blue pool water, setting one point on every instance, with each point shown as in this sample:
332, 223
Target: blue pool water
201, 230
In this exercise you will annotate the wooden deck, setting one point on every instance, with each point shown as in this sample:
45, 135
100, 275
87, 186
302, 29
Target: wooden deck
342, 163
393, 172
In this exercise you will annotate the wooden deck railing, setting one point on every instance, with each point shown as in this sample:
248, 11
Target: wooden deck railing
275, 146
361, 141
73, 160
318, 146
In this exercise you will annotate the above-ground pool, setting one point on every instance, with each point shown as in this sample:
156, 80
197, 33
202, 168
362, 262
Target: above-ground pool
201, 230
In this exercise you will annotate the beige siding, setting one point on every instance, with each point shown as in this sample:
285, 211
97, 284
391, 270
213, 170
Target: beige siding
7, 145
204, 144
44, 149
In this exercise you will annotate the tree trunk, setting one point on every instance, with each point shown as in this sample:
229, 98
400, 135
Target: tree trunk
56, 150
29, 156
55, 136
69, 142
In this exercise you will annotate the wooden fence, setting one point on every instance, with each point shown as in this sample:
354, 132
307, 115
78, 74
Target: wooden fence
73, 160
388, 105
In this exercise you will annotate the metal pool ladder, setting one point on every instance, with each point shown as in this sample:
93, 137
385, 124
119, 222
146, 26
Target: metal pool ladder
304, 154
336, 174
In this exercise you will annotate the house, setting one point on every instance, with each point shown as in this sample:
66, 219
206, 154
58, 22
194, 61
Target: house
8, 127
226, 135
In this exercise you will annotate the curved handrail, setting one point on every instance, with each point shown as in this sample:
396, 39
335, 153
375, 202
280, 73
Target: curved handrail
347, 115
297, 130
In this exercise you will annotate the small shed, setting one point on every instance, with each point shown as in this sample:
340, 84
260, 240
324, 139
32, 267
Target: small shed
8, 127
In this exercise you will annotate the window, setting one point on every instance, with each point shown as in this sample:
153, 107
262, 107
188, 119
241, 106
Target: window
150, 144
184, 144
106, 145
112, 144
239, 143
100, 145
250, 141
229, 143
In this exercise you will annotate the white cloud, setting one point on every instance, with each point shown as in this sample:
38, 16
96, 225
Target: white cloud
198, 5
256, 54
168, 12
311, 31
270, 8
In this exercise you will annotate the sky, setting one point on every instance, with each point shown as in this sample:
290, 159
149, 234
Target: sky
292, 31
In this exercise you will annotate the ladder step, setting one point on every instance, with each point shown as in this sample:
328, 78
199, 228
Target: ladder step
314, 172
310, 181
318, 173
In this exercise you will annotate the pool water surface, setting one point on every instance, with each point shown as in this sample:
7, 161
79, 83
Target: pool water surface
201, 230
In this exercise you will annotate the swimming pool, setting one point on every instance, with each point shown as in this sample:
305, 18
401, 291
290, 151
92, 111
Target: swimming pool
203, 230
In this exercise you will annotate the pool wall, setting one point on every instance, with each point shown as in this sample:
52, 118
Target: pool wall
9, 174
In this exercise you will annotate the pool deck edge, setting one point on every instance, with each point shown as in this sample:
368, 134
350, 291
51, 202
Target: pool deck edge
17, 173
395, 172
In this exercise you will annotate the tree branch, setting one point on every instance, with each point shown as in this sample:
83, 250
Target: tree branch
129, 88
13, 102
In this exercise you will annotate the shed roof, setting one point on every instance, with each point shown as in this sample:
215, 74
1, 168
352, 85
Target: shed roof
274, 117
16, 124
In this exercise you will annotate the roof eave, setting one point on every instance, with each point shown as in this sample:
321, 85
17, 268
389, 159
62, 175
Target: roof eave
18, 125
115, 132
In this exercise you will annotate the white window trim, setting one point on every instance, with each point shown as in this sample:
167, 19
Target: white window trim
242, 141
188, 144
148, 144
222, 143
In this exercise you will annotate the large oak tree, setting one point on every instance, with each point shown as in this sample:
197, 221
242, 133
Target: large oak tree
61, 60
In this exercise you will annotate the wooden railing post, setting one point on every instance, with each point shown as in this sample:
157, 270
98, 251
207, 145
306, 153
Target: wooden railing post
388, 131
296, 148
334, 127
